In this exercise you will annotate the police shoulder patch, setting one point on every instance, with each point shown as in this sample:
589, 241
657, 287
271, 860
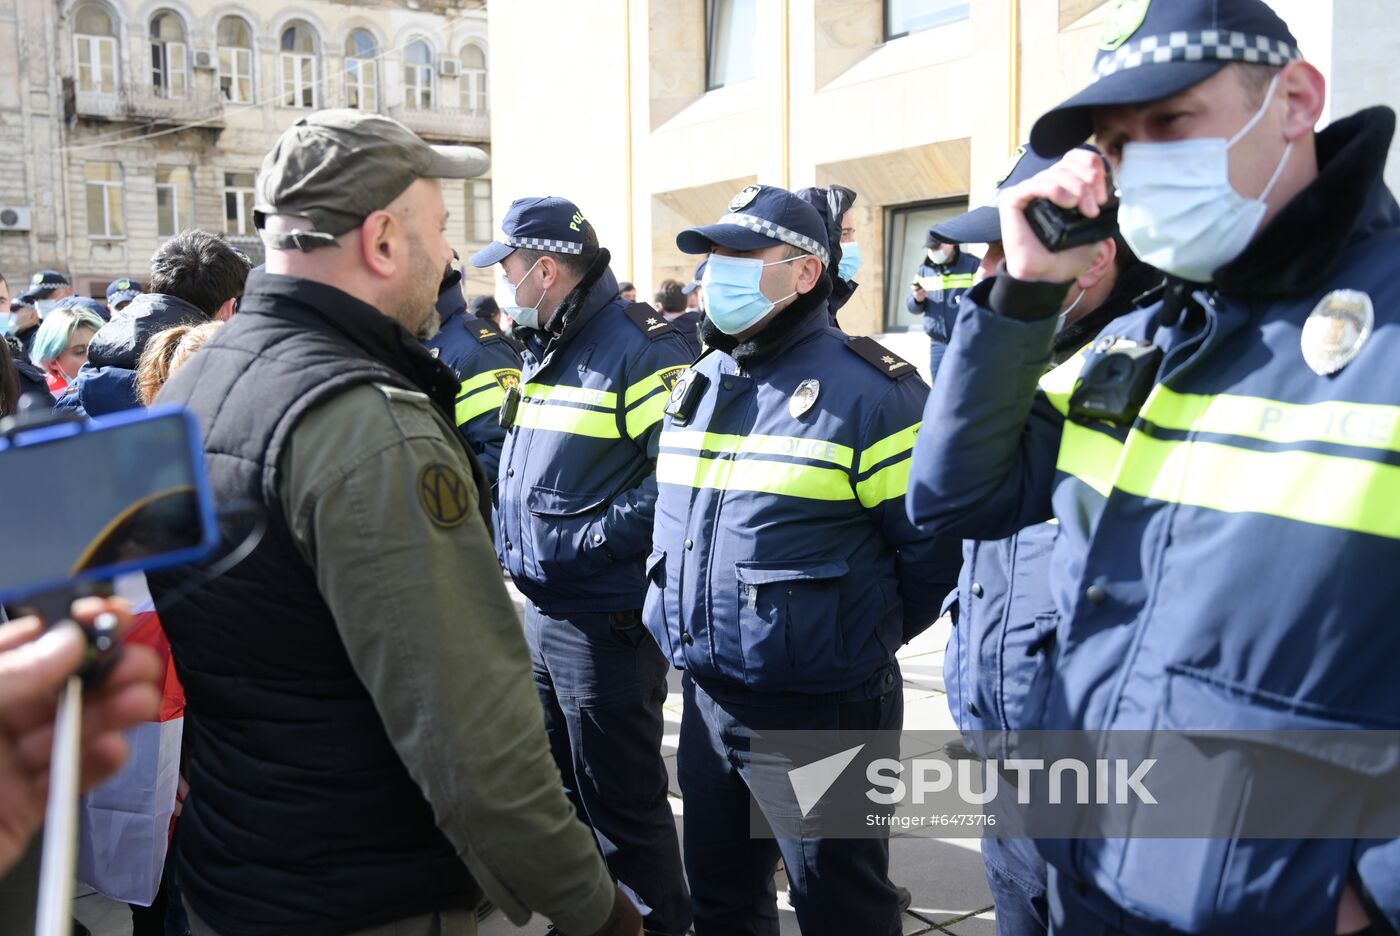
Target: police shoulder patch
881, 358
483, 333
443, 495
652, 323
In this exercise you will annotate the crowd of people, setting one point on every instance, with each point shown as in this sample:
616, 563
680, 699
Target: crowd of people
1120, 440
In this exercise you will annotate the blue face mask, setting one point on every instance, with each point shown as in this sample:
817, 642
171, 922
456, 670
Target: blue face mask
730, 292
7, 323
850, 261
522, 316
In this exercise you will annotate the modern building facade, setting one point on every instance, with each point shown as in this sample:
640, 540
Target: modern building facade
125, 122
651, 114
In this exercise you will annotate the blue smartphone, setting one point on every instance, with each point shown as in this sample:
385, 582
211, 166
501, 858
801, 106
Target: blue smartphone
86, 502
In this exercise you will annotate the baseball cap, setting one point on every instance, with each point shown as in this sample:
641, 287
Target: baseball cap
44, 282
983, 225
1153, 49
86, 303
335, 167
694, 284
124, 289
550, 223
761, 216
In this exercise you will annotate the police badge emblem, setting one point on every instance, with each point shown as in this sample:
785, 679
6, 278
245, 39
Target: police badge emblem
746, 195
1337, 329
804, 398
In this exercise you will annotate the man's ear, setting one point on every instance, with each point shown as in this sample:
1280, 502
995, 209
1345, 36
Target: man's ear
549, 272
1305, 90
225, 311
1104, 258
377, 243
809, 273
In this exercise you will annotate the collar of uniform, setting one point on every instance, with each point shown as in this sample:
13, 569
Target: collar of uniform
1138, 287
1347, 201
806, 316
368, 331
597, 288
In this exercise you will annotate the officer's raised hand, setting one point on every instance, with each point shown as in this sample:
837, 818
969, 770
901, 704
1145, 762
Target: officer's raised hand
1078, 181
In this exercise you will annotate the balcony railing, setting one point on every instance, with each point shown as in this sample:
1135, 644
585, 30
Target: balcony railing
444, 123
146, 103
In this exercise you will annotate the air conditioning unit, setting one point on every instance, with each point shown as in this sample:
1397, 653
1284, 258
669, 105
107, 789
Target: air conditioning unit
449, 68
14, 218
203, 58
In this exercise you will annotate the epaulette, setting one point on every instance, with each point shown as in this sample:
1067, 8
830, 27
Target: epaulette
652, 323
881, 358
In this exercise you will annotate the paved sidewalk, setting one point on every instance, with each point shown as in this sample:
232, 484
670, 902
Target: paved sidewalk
944, 875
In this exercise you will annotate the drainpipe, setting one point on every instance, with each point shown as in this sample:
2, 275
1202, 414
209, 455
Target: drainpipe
785, 78
627, 72
1013, 32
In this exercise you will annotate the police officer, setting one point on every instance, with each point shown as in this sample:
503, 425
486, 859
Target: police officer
833, 204
785, 573
997, 662
577, 493
120, 292
1224, 465
486, 361
367, 755
943, 278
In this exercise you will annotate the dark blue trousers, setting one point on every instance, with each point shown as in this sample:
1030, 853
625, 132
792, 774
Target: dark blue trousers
1016, 876
838, 887
602, 682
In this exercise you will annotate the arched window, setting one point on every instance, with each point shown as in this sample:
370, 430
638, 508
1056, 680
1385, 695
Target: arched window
235, 60
473, 83
418, 75
298, 62
168, 59
361, 71
95, 49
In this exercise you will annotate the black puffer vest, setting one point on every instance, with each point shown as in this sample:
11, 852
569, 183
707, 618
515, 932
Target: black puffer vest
301, 818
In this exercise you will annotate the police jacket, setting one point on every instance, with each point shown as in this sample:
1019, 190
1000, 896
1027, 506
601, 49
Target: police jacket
783, 561
486, 362
106, 382
577, 480
952, 281
998, 658
1224, 562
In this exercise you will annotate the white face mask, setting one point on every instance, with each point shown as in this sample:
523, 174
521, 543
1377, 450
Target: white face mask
1179, 211
940, 257
526, 316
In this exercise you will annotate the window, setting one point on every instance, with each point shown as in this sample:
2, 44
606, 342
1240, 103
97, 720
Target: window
104, 200
905, 236
903, 17
95, 49
473, 83
169, 77
478, 213
238, 203
298, 61
235, 60
418, 75
361, 71
730, 54
174, 200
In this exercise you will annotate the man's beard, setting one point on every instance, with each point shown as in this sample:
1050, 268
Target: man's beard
418, 311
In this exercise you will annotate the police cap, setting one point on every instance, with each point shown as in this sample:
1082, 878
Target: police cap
761, 216
551, 223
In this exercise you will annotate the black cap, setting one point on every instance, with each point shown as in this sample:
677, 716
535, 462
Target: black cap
550, 223
485, 307
983, 225
761, 216
694, 284
1153, 49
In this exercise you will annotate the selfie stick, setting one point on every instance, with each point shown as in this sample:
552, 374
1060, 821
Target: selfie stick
55, 911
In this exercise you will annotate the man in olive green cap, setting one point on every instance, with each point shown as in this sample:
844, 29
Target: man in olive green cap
369, 755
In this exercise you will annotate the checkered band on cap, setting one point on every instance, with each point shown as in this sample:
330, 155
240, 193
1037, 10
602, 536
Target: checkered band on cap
1211, 45
540, 243
777, 232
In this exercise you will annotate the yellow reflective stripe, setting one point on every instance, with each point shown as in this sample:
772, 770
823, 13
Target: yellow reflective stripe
889, 482
1090, 456
1058, 385
1325, 490
957, 280
1363, 425
650, 383
888, 447
541, 416
605, 399
643, 417
795, 446
766, 477
485, 379
483, 401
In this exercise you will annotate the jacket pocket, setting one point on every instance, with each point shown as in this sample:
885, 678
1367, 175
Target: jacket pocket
789, 621
654, 607
565, 534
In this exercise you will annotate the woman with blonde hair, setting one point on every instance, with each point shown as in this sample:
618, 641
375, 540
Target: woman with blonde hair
164, 354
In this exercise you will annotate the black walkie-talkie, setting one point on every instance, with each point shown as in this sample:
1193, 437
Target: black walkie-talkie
1062, 229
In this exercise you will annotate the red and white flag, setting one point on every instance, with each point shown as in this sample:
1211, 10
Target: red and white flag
125, 824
